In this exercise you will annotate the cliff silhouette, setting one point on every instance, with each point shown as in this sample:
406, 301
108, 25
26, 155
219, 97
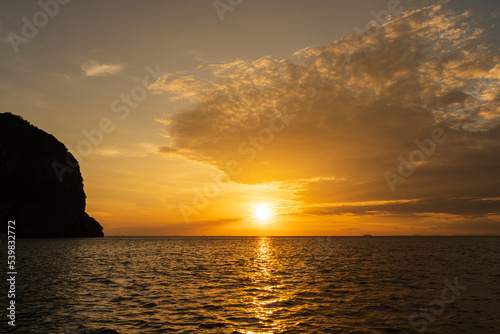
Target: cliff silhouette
42, 202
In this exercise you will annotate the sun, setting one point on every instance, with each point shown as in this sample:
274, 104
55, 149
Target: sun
263, 212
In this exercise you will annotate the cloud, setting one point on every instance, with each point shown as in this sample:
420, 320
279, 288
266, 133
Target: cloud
166, 150
355, 106
93, 69
139, 150
470, 207
195, 228
178, 86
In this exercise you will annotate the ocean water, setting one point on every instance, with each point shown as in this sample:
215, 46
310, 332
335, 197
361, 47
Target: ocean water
256, 285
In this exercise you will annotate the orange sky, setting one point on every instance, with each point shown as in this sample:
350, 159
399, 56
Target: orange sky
184, 123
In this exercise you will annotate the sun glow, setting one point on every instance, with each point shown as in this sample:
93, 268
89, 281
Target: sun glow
263, 212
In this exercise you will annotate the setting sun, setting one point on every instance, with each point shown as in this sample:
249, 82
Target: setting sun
263, 212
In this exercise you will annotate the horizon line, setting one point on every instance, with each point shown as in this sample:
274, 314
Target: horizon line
306, 236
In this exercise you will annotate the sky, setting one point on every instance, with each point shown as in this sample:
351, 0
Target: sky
258, 117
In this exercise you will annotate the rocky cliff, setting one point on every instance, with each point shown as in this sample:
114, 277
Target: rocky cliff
43, 203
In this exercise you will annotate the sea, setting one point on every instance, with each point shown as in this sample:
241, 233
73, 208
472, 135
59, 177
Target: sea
400, 285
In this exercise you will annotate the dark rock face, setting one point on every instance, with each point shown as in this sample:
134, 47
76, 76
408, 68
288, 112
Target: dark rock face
43, 202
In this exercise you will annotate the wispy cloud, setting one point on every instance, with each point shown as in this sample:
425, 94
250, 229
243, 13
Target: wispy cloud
472, 207
94, 69
139, 150
166, 150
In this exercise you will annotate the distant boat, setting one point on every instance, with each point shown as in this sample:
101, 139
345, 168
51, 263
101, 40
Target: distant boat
367, 235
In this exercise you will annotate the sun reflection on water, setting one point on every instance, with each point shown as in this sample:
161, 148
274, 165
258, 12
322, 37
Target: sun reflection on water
267, 289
